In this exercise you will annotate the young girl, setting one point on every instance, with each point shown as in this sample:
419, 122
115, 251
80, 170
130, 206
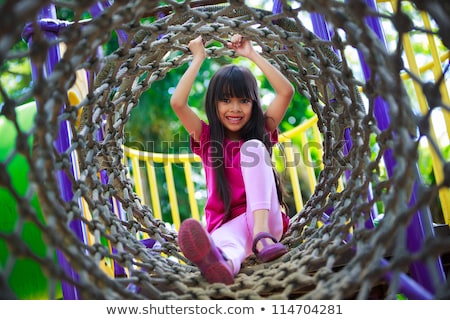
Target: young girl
243, 209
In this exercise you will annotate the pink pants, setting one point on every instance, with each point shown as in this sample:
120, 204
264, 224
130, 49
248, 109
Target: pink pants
235, 237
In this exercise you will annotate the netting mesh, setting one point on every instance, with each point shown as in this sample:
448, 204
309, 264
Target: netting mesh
336, 252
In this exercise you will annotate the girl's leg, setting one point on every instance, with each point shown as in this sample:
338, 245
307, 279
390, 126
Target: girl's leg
235, 237
263, 207
232, 238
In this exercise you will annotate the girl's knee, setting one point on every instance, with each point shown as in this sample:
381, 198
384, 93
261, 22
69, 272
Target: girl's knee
254, 153
252, 143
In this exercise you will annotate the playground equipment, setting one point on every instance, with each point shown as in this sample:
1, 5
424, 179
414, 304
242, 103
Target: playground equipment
94, 219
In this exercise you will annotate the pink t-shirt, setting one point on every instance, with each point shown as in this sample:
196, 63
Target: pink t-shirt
214, 209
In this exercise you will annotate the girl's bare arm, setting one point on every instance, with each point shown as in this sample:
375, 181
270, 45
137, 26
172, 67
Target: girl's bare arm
179, 99
283, 88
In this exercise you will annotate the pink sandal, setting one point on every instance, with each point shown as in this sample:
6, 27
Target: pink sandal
199, 248
269, 252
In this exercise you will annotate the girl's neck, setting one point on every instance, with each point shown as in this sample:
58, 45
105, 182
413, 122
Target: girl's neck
233, 136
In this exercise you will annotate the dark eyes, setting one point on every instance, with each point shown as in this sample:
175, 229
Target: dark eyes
243, 100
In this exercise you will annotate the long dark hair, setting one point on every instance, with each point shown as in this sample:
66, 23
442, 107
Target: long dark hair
228, 82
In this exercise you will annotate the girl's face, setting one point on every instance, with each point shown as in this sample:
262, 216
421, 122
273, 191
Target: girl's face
234, 113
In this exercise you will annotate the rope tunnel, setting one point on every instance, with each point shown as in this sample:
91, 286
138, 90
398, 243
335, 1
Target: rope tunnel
70, 212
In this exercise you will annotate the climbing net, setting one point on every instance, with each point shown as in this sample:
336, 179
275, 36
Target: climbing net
336, 251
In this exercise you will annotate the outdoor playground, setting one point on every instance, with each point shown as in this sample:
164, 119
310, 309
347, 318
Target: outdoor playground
84, 214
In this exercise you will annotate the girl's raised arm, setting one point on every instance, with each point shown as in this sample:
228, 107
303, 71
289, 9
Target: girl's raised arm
179, 99
283, 88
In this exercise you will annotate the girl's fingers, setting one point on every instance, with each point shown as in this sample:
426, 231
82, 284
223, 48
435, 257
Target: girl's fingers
236, 38
235, 41
198, 39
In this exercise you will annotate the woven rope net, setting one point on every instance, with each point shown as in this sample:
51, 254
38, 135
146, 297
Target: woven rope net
333, 225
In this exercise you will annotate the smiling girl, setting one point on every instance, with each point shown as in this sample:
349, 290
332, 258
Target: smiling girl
244, 209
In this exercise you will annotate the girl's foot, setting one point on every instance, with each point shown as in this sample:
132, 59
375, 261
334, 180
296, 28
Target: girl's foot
198, 247
271, 248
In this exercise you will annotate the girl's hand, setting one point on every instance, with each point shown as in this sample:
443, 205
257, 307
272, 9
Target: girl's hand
241, 46
197, 47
